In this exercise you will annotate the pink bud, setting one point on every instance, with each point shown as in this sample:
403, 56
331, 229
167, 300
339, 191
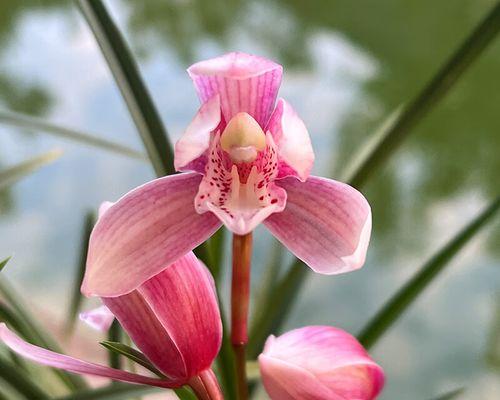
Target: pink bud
174, 318
317, 363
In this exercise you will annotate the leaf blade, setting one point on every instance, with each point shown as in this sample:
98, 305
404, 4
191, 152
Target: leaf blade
37, 125
405, 296
129, 81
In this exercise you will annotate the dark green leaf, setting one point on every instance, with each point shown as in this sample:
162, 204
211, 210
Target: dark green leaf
20, 381
132, 354
115, 335
429, 97
3, 263
450, 395
12, 174
32, 331
225, 360
129, 81
38, 125
76, 295
405, 297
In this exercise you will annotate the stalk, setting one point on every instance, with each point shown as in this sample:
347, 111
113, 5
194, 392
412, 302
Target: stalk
240, 296
206, 386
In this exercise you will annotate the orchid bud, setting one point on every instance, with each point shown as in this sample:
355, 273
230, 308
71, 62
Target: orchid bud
317, 363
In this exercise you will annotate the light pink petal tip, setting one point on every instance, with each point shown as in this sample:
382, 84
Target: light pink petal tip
144, 232
99, 318
319, 362
60, 361
296, 154
244, 82
327, 224
196, 139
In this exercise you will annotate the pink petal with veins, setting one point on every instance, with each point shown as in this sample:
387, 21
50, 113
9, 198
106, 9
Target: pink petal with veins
319, 362
144, 232
327, 224
60, 361
245, 83
295, 152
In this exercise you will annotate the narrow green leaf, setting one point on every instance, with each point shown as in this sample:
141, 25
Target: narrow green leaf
118, 391
278, 307
34, 333
40, 126
12, 174
115, 334
215, 248
450, 395
405, 297
225, 360
470, 49
20, 381
76, 295
3, 263
132, 354
131, 85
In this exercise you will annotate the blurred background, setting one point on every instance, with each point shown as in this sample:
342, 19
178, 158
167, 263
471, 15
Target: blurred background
347, 66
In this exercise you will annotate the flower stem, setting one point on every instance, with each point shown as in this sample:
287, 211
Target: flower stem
240, 295
206, 386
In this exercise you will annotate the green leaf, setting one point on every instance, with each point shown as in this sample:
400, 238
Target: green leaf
225, 360
3, 263
33, 332
450, 395
447, 76
131, 85
405, 297
278, 307
40, 126
20, 381
118, 391
76, 295
115, 334
132, 354
12, 174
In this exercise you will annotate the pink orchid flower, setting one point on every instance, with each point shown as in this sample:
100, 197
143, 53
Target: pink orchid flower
317, 363
173, 318
246, 159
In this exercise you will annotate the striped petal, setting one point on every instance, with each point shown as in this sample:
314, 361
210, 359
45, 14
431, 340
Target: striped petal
60, 361
296, 155
142, 233
245, 83
327, 224
319, 362
191, 147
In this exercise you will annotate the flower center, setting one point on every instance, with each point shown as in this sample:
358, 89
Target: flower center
243, 138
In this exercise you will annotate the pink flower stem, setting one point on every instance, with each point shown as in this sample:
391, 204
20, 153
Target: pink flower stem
206, 386
240, 295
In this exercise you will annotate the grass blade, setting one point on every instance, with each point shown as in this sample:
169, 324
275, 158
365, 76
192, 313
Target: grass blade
12, 174
405, 297
40, 126
115, 334
431, 94
132, 354
76, 295
33, 332
450, 395
20, 381
129, 81
3, 263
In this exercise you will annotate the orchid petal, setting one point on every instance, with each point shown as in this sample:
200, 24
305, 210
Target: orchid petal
245, 83
296, 154
318, 358
99, 318
196, 139
241, 206
105, 206
327, 224
142, 233
60, 361
184, 301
